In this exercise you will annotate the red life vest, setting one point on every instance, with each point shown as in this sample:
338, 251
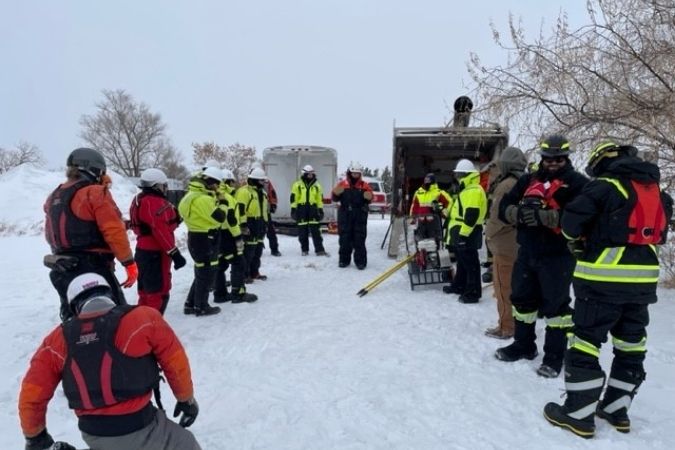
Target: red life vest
540, 194
647, 219
96, 374
63, 229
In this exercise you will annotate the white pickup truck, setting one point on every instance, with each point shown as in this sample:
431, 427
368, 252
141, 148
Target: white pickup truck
283, 166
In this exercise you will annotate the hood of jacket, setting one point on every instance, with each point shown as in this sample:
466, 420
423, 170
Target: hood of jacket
512, 161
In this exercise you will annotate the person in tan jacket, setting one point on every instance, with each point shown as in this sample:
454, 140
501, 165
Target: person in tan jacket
501, 239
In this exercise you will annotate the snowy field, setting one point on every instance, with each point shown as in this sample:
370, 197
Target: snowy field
312, 366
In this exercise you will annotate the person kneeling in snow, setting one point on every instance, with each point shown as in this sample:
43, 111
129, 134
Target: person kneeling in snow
108, 357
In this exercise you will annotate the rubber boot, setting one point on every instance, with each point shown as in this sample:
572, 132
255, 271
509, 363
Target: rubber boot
555, 342
523, 345
621, 389
577, 414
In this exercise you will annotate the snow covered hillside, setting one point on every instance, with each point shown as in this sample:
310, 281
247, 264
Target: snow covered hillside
312, 366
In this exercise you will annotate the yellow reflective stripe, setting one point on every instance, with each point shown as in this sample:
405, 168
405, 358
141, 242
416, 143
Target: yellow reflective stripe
611, 256
198, 264
616, 184
524, 317
630, 346
629, 273
583, 346
559, 321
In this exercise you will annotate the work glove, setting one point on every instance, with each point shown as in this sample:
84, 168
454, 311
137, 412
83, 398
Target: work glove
190, 409
576, 247
239, 245
132, 274
338, 190
549, 218
511, 214
42, 441
294, 214
244, 230
368, 195
178, 259
273, 208
319, 214
529, 216
438, 208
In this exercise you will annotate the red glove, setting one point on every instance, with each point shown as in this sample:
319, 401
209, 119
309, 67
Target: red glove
132, 275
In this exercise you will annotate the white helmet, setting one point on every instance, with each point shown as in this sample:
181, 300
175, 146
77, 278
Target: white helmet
257, 174
308, 169
83, 283
211, 163
213, 172
227, 174
152, 177
355, 167
465, 166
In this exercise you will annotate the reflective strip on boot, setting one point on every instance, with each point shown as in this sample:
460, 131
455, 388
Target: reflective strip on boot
584, 412
621, 402
575, 342
559, 321
625, 346
524, 317
584, 385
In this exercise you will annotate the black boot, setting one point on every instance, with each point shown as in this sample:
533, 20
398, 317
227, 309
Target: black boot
243, 297
621, 389
207, 310
523, 345
577, 414
555, 342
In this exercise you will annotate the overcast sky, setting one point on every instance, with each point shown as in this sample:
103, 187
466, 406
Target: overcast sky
336, 73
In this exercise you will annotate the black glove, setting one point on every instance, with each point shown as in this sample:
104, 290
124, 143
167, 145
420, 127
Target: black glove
549, 218
190, 409
529, 216
178, 259
319, 214
511, 214
42, 441
244, 230
576, 247
294, 214
438, 208
273, 208
239, 245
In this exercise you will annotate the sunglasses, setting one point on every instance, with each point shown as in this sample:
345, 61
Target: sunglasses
553, 159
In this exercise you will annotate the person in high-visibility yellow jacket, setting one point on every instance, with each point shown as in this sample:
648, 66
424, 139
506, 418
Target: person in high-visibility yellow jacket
307, 210
203, 218
465, 233
231, 248
254, 214
614, 227
429, 207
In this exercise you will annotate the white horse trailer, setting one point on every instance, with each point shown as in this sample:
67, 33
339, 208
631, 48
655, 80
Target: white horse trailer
283, 166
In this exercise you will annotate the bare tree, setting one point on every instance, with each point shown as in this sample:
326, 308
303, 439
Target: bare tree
236, 157
23, 153
129, 135
611, 78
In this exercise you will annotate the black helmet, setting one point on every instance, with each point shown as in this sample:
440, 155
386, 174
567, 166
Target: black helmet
602, 151
554, 145
87, 160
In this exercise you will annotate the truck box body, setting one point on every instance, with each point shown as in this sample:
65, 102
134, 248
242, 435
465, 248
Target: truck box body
418, 151
283, 166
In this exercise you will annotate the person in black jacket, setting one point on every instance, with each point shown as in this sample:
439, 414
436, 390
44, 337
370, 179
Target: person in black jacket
542, 273
613, 227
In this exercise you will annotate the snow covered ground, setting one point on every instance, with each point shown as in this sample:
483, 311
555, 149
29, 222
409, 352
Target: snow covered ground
313, 366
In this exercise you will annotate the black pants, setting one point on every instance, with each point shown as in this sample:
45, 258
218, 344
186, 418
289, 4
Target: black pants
229, 258
204, 252
626, 322
353, 230
307, 229
272, 237
542, 283
100, 263
467, 279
